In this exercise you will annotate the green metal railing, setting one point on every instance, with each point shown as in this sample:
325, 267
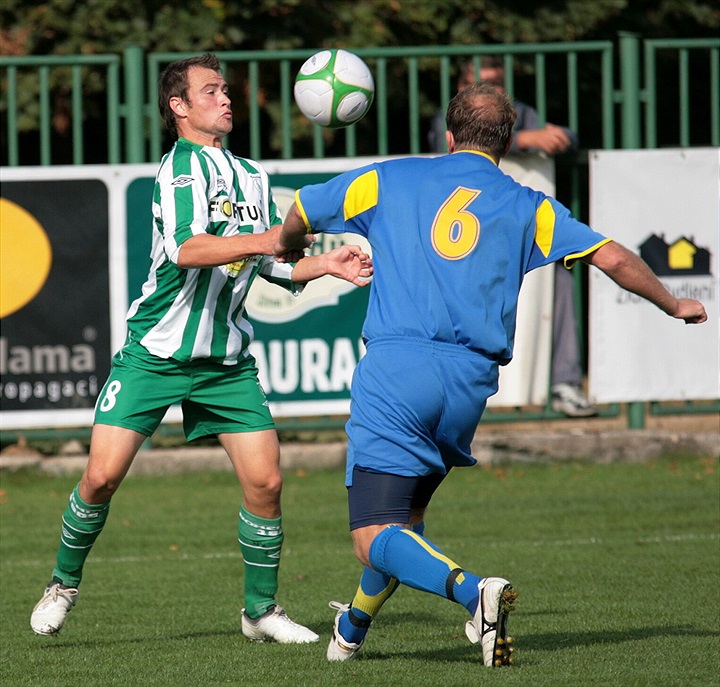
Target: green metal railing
46, 74
411, 83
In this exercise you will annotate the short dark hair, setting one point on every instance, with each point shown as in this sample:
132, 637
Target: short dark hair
481, 118
173, 83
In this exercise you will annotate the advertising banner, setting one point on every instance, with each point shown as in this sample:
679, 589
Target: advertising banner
665, 206
76, 246
54, 297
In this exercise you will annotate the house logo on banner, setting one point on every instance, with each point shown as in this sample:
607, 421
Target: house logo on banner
679, 258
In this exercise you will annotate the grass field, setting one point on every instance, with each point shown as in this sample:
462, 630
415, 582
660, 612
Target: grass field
617, 566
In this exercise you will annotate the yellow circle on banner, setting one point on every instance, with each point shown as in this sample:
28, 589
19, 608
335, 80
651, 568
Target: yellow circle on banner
25, 257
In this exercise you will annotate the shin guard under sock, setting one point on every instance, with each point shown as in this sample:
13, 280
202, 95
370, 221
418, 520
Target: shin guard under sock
81, 525
418, 563
260, 543
374, 590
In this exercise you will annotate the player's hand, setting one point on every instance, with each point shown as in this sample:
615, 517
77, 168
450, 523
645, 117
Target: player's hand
291, 256
350, 263
692, 311
286, 250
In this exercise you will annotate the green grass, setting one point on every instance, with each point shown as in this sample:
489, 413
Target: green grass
617, 566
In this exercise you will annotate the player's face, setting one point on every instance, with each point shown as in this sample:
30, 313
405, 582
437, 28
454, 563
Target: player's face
206, 116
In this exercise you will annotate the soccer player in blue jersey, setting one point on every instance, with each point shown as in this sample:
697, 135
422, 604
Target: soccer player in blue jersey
452, 238
215, 225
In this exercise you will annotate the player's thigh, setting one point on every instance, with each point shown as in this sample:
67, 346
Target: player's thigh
255, 457
376, 498
112, 450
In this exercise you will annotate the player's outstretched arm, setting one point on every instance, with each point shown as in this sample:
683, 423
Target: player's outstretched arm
294, 235
629, 271
346, 262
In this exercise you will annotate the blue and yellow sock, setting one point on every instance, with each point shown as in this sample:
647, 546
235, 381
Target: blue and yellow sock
418, 563
81, 526
374, 590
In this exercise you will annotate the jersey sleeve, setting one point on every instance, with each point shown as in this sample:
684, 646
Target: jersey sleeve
559, 236
345, 203
279, 273
181, 199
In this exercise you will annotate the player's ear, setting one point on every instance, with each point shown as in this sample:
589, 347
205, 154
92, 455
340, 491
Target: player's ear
178, 106
450, 140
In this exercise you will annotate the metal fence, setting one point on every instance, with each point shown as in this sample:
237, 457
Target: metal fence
101, 108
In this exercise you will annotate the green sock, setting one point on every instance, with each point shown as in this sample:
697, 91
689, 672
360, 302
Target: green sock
260, 542
81, 525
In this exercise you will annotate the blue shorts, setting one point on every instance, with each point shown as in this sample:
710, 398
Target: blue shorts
415, 406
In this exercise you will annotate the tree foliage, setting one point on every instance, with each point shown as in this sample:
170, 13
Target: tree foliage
62, 27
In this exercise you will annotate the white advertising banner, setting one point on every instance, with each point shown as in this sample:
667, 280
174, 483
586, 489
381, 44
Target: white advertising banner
525, 381
665, 206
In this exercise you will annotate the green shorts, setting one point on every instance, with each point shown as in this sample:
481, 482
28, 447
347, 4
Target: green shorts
215, 398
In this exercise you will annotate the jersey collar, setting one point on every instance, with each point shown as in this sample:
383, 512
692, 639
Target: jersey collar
479, 152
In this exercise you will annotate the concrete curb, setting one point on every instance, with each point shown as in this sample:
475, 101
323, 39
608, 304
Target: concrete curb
489, 448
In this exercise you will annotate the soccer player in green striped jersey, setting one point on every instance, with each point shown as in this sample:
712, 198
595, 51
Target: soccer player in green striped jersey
215, 225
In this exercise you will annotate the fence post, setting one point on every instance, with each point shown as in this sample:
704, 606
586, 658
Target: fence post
630, 98
630, 95
134, 104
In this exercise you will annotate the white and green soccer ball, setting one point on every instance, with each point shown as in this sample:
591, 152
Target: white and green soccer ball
334, 88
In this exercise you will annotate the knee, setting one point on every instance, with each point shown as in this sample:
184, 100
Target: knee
362, 553
96, 486
363, 538
262, 494
270, 486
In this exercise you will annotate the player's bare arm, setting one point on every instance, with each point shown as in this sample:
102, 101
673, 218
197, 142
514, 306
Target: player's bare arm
207, 250
346, 262
630, 272
294, 234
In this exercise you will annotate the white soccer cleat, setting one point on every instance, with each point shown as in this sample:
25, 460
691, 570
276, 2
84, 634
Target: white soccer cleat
339, 649
489, 625
48, 616
275, 626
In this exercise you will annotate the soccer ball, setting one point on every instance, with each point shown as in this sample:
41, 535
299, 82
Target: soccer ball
334, 88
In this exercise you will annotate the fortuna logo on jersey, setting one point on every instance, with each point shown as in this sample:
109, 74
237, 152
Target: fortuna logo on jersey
222, 208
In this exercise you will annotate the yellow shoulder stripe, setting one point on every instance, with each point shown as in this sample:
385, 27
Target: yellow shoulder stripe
544, 226
570, 260
362, 194
302, 212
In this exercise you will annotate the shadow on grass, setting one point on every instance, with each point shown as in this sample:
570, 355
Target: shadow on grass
557, 641
551, 641
554, 641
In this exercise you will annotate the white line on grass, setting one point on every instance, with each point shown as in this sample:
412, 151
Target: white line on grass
171, 556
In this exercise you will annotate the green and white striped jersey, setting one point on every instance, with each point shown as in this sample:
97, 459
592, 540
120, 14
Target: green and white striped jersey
187, 314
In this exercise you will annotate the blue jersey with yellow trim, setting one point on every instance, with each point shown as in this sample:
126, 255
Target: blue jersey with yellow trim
452, 238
